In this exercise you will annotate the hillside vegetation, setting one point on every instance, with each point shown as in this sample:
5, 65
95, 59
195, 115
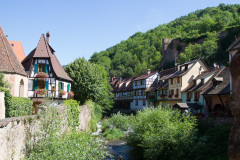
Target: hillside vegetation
133, 56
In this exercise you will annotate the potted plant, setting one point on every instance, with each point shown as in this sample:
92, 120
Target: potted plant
71, 94
62, 92
169, 96
162, 96
188, 100
41, 75
176, 95
41, 91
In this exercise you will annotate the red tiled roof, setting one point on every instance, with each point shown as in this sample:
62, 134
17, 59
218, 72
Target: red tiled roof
9, 62
44, 50
145, 76
18, 49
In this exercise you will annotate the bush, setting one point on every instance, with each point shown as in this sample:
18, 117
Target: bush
113, 134
105, 125
54, 141
120, 121
72, 112
163, 133
21, 106
96, 114
8, 101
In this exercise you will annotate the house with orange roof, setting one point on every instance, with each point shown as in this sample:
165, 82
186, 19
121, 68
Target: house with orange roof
12, 69
47, 78
18, 49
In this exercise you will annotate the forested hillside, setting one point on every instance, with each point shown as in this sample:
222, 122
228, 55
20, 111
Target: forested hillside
133, 56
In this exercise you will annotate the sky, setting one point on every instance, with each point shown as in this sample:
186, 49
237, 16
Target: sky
78, 28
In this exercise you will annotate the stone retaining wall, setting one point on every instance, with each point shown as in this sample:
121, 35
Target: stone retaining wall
14, 132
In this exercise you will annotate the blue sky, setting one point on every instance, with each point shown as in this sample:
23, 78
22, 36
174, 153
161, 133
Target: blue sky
78, 28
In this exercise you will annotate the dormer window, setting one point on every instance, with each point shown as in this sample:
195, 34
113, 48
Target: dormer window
186, 67
41, 67
202, 81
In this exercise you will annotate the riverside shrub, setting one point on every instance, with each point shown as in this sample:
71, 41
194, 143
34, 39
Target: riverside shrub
163, 133
120, 121
113, 133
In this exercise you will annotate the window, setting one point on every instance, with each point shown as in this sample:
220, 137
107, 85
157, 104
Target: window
144, 102
143, 92
135, 93
135, 83
136, 102
139, 92
171, 81
202, 81
178, 79
41, 84
172, 92
41, 68
189, 95
196, 96
176, 95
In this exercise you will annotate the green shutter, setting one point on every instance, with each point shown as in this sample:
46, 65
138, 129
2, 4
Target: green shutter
35, 68
46, 85
62, 86
68, 87
46, 68
35, 84
59, 86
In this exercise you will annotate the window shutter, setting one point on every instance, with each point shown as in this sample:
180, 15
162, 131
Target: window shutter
46, 68
35, 84
35, 68
62, 86
46, 85
59, 86
68, 87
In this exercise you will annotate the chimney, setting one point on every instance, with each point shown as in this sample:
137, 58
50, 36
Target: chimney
48, 36
148, 71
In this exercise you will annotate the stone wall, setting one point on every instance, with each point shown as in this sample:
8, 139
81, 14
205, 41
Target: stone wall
14, 132
2, 105
15, 80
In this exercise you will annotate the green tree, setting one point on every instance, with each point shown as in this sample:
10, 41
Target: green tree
90, 82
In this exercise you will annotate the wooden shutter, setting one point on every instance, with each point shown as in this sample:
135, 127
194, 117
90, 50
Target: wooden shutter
35, 84
68, 87
46, 68
46, 85
35, 68
59, 86
62, 86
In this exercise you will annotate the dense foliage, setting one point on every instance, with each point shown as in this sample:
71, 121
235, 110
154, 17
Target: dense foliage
90, 83
143, 50
163, 133
7, 100
54, 141
21, 106
72, 112
4, 83
96, 114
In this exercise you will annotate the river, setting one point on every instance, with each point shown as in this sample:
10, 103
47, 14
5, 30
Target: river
116, 148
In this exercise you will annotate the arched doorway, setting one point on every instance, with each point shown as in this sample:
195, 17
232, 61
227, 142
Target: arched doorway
21, 88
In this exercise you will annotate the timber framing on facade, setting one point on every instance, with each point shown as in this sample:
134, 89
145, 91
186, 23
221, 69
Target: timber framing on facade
47, 78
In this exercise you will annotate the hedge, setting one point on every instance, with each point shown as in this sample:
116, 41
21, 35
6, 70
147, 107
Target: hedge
21, 106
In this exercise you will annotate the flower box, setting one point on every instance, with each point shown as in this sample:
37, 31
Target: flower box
169, 96
151, 97
41, 75
188, 100
176, 95
70, 94
162, 96
41, 91
195, 100
62, 92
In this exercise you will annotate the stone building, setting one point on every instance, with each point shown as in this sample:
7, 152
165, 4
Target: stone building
13, 71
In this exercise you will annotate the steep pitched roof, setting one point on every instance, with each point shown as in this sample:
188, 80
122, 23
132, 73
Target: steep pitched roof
9, 62
183, 72
145, 76
235, 45
123, 87
44, 50
223, 87
199, 87
164, 75
18, 49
